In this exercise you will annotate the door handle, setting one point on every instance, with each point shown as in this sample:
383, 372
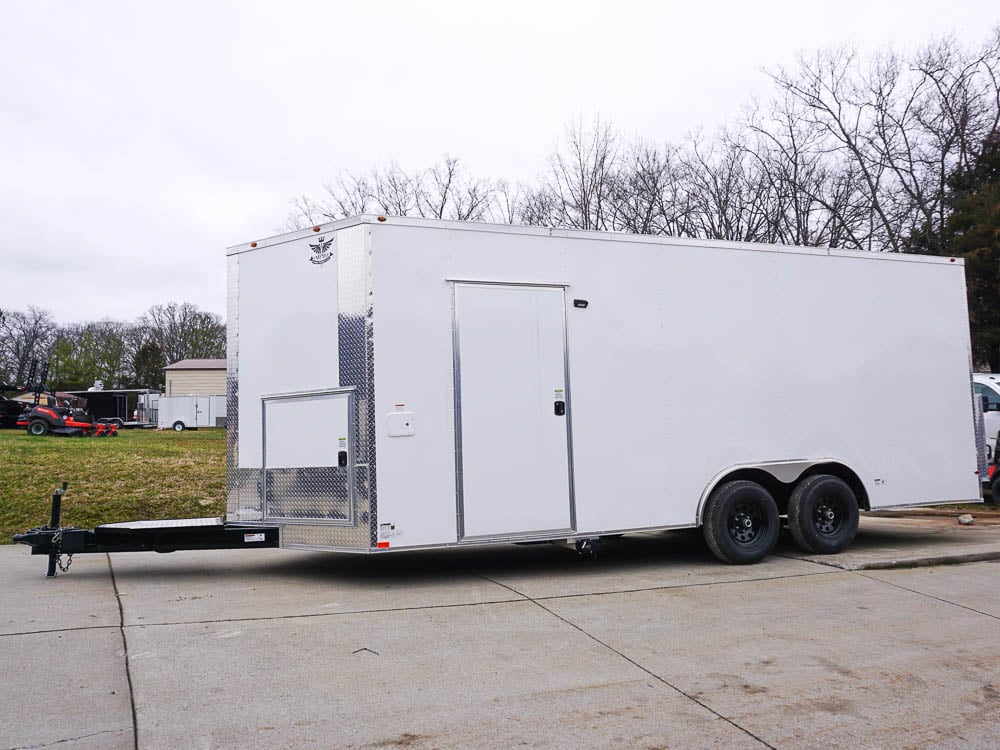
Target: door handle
560, 408
342, 459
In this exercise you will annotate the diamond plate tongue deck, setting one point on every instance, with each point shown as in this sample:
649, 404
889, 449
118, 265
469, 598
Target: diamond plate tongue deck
169, 523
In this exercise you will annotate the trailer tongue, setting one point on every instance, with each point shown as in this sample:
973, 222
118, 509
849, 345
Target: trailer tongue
171, 535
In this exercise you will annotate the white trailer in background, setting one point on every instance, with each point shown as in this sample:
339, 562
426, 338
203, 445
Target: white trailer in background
181, 413
400, 384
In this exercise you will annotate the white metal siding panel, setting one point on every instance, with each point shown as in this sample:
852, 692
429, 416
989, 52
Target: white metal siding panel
287, 332
688, 360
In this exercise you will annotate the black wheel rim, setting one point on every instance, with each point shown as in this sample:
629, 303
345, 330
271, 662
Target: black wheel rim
746, 523
828, 516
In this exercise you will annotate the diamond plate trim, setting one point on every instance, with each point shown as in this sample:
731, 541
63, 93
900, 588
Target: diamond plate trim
243, 500
355, 335
977, 415
313, 493
167, 523
306, 536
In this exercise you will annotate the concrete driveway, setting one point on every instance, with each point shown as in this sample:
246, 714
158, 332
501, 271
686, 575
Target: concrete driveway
655, 645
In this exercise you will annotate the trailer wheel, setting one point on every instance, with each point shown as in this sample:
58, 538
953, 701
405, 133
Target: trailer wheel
823, 514
38, 427
178, 427
740, 522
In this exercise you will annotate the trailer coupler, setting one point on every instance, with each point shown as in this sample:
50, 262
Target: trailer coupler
171, 535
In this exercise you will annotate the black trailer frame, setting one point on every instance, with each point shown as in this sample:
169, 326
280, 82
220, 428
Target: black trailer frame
56, 540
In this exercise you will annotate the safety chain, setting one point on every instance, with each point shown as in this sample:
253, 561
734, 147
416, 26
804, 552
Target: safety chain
56, 549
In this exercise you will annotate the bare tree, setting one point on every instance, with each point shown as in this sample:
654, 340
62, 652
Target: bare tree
829, 87
816, 193
959, 108
649, 194
305, 212
505, 208
448, 193
24, 337
182, 331
730, 196
540, 207
581, 176
893, 129
442, 191
850, 152
395, 192
351, 195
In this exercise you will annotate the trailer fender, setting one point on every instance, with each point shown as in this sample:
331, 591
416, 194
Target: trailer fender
780, 478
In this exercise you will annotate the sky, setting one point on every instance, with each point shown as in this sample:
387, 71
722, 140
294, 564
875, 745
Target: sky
138, 140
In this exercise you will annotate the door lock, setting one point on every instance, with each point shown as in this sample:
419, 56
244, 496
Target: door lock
560, 408
342, 459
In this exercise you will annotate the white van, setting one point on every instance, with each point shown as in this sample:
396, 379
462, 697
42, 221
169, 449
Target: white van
988, 384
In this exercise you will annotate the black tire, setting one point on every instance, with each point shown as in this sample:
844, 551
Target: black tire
740, 522
178, 426
38, 427
823, 514
995, 492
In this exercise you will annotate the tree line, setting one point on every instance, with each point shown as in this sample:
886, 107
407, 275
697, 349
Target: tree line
121, 354
888, 152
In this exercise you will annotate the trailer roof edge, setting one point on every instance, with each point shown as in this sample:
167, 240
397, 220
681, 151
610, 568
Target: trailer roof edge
651, 239
297, 234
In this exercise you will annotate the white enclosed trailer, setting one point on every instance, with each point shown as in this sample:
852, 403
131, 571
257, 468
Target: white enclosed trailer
181, 413
398, 383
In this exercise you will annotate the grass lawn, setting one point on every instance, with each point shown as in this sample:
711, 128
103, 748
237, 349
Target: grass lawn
141, 474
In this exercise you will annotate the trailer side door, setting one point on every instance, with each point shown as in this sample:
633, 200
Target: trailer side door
512, 411
307, 454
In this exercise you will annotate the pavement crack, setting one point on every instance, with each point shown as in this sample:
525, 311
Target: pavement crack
632, 661
128, 666
644, 589
307, 615
303, 615
60, 630
823, 563
69, 739
929, 561
928, 596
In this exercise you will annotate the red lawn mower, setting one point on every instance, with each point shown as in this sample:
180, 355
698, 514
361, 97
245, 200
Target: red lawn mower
62, 420
59, 420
